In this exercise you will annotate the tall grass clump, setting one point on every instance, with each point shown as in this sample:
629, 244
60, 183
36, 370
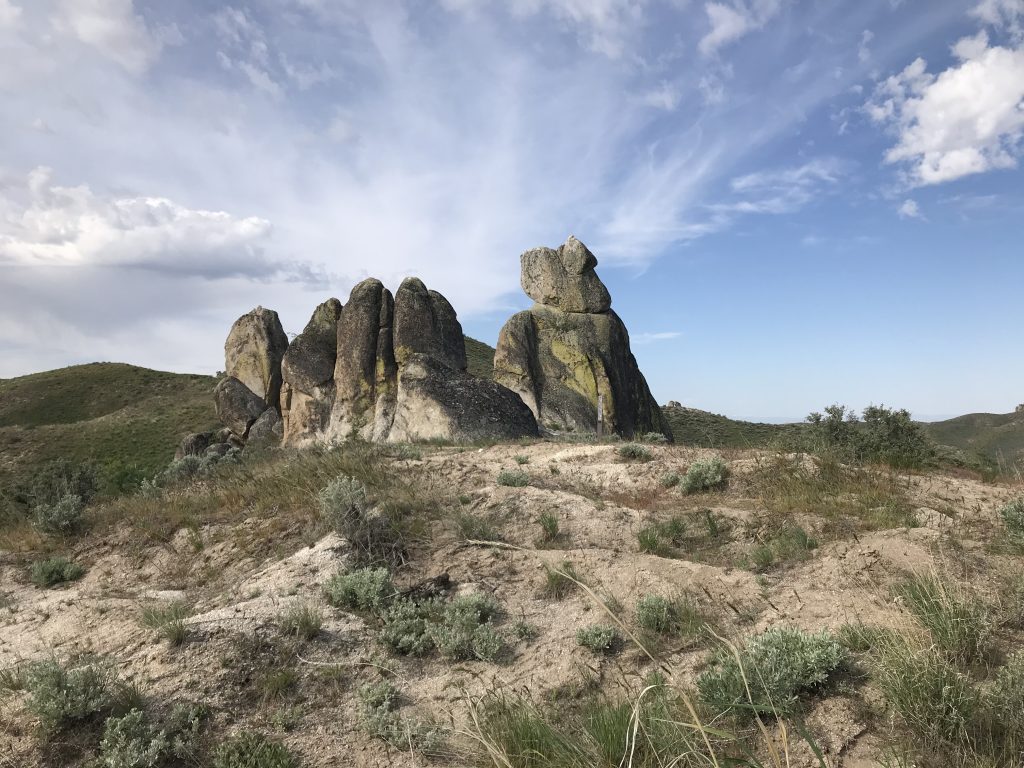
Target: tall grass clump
1012, 515
705, 475
960, 624
168, 621
253, 750
777, 666
53, 571
678, 617
301, 620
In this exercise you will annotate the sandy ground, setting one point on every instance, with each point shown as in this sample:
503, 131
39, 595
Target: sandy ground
601, 502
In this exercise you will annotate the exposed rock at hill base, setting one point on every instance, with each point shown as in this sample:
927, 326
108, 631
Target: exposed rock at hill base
253, 352
559, 360
307, 370
194, 444
267, 430
237, 406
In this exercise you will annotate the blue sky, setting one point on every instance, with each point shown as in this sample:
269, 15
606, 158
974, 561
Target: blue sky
793, 203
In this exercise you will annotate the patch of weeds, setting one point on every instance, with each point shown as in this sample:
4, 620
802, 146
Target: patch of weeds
277, 683
520, 460
378, 717
371, 530
53, 571
670, 479
464, 631
476, 527
549, 528
661, 538
705, 475
653, 438
513, 478
959, 623
598, 638
168, 621
678, 617
301, 620
791, 543
561, 581
134, 741
365, 589
1012, 515
777, 665
250, 749
634, 452
61, 695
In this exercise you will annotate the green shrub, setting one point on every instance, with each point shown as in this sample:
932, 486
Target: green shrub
60, 478
634, 452
168, 621
548, 522
514, 478
661, 537
133, 741
598, 638
302, 620
959, 623
405, 627
655, 438
779, 664
371, 532
366, 589
520, 460
61, 695
705, 475
253, 750
55, 570
886, 436
1006, 696
60, 518
463, 629
678, 617
377, 716
670, 479
1013, 518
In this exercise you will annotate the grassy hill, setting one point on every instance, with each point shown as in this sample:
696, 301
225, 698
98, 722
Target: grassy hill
994, 436
125, 418
480, 357
691, 426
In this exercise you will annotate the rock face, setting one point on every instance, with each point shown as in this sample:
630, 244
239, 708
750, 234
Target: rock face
237, 406
253, 352
570, 347
425, 323
267, 429
307, 370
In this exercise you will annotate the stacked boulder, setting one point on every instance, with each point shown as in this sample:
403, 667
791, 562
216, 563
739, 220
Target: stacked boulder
570, 351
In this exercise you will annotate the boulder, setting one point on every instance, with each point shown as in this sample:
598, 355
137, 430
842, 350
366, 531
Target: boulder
564, 278
425, 323
237, 406
437, 402
560, 361
193, 445
267, 430
253, 352
365, 371
307, 371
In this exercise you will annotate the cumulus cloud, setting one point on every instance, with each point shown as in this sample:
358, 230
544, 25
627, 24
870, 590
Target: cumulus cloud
909, 209
1002, 14
731, 21
965, 120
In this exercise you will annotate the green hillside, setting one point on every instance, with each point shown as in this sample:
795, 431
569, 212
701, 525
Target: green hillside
126, 419
711, 430
993, 436
480, 357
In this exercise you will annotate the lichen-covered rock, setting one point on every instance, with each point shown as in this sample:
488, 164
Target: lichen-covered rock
307, 370
437, 402
365, 372
237, 406
253, 352
560, 361
564, 278
266, 430
425, 323
194, 445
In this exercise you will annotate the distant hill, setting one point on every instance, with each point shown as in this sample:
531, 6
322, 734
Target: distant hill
691, 426
480, 357
125, 418
991, 436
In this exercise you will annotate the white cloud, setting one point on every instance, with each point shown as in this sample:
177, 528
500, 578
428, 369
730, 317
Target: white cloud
863, 51
909, 209
731, 21
112, 28
967, 119
1002, 14
785, 190
9, 14
47, 225
666, 96
650, 338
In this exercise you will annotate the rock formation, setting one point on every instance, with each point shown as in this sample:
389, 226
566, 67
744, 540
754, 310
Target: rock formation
307, 371
253, 352
570, 347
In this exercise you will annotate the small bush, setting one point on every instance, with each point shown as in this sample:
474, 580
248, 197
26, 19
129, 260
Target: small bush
476, 527
405, 628
372, 533
1013, 518
168, 621
548, 522
463, 630
302, 620
377, 716
520, 460
634, 452
366, 589
661, 616
561, 581
513, 478
60, 518
55, 570
133, 741
276, 684
959, 623
670, 479
59, 479
654, 438
62, 695
598, 638
778, 664
705, 475
253, 750
1006, 696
